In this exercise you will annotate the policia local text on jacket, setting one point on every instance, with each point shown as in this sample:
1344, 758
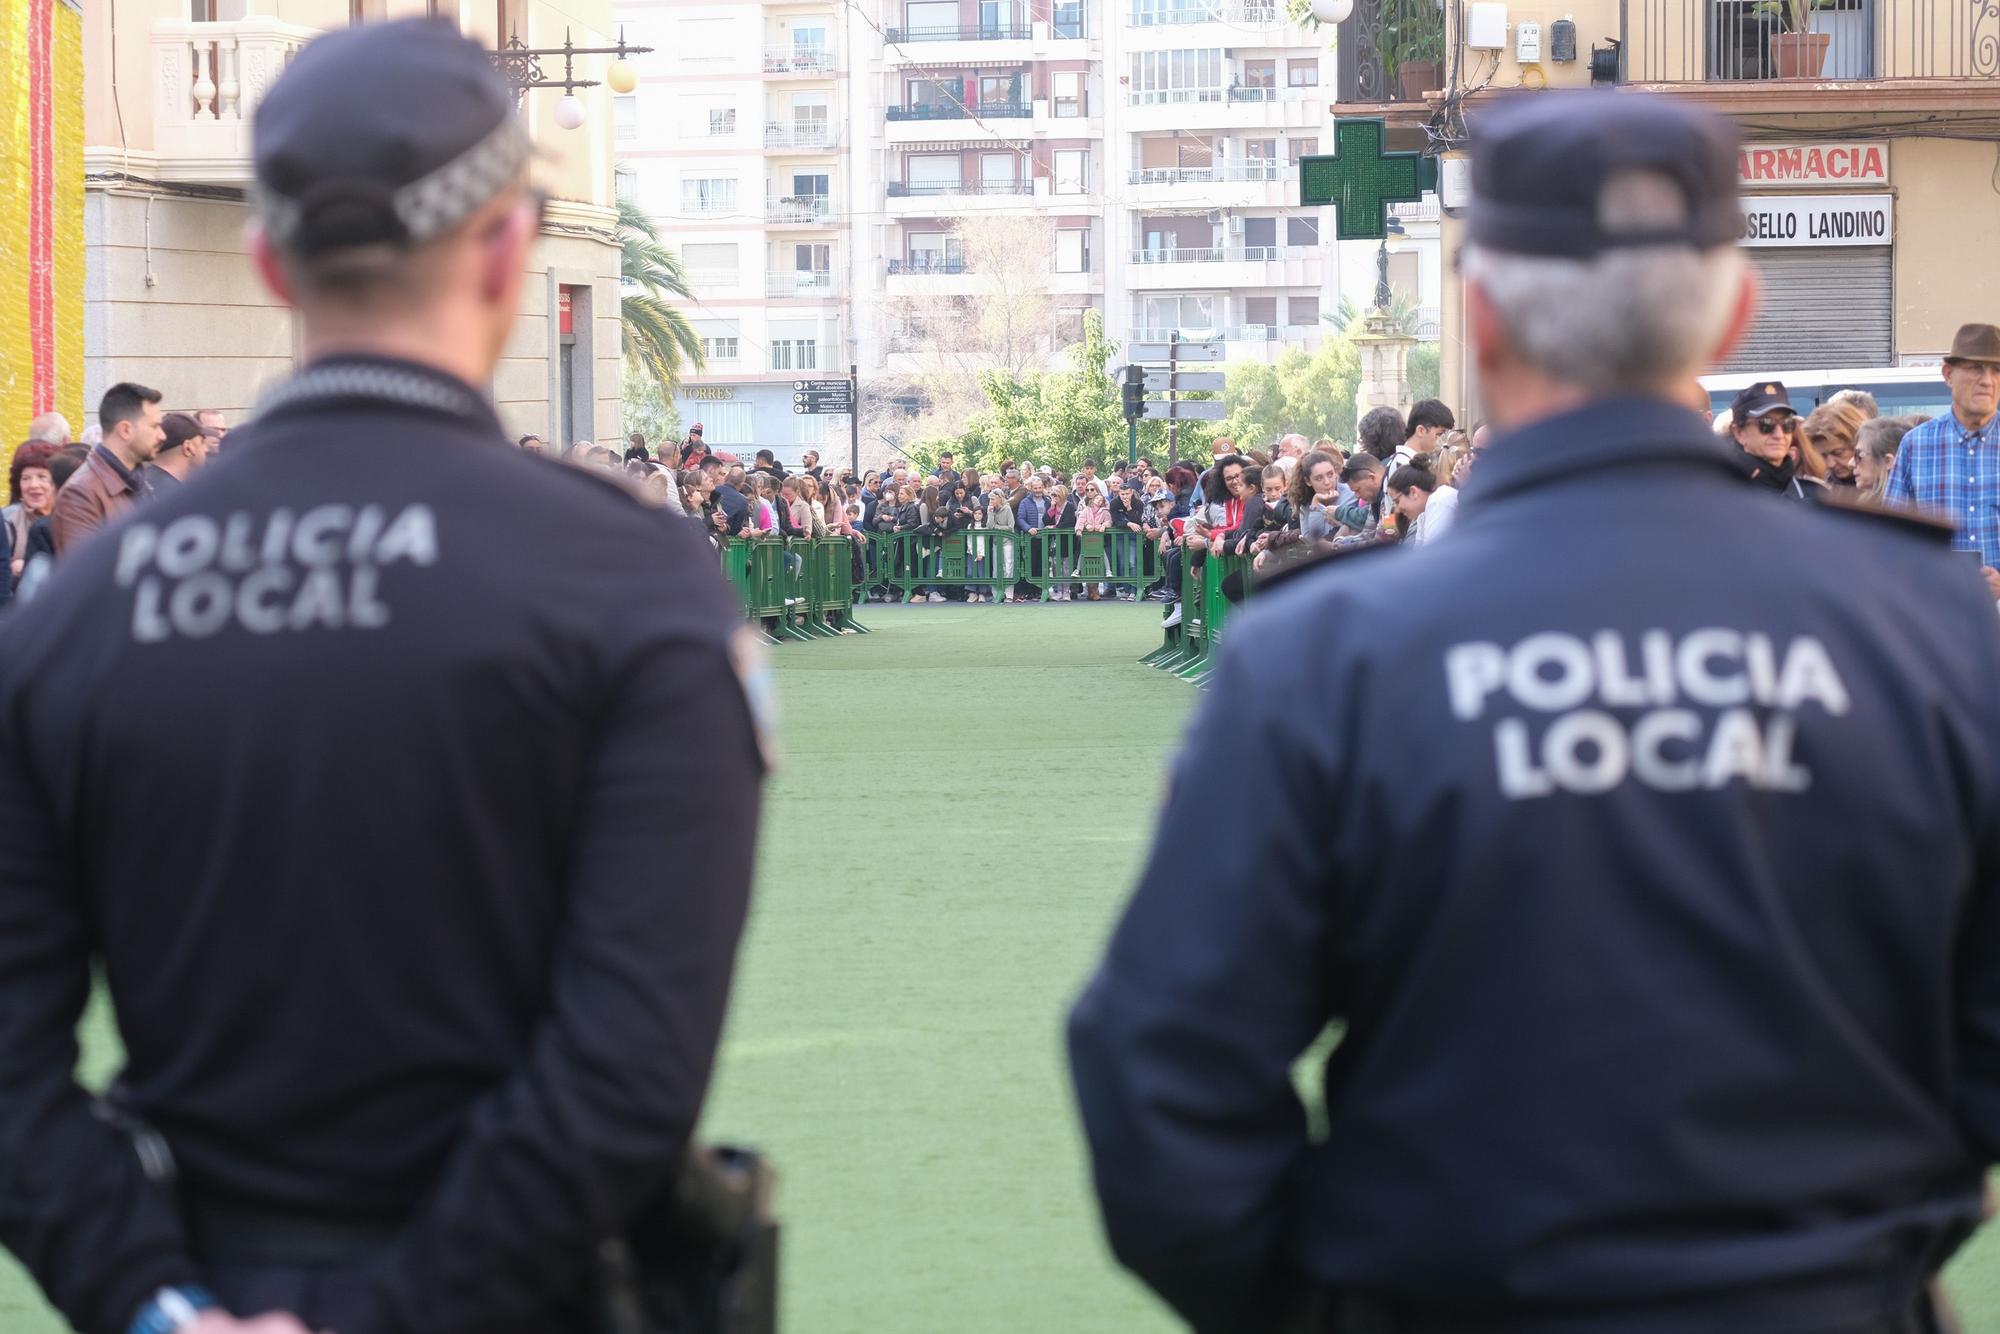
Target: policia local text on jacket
396, 922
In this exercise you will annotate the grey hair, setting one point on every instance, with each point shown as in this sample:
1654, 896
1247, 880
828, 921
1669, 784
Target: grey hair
1630, 319
1636, 316
1861, 399
51, 428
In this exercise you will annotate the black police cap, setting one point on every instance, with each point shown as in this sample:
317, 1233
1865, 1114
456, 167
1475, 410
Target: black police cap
1755, 400
1541, 163
383, 133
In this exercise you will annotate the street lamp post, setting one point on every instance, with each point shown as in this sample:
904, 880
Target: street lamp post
521, 67
1383, 296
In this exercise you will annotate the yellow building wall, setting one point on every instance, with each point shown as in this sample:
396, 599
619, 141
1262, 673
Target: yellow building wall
1943, 279
41, 216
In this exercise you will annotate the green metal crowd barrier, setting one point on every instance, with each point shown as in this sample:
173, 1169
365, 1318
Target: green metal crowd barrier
994, 560
794, 587
1212, 587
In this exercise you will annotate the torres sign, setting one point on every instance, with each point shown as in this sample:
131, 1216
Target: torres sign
1813, 164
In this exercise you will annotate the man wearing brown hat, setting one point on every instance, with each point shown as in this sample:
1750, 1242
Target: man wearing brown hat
1949, 465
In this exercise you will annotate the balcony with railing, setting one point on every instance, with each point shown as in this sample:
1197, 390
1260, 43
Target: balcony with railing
927, 189
803, 284
1235, 106
1391, 51
981, 32
1164, 268
803, 134
929, 262
929, 111
207, 81
1173, 13
798, 60
1839, 42
1261, 170
798, 210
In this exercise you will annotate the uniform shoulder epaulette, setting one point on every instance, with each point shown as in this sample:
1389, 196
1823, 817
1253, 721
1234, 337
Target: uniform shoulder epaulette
1324, 560
1909, 520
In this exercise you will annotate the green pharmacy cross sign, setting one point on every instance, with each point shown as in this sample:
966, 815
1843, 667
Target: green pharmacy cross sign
1361, 181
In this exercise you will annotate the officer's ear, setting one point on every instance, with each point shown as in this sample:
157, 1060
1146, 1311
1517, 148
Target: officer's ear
504, 258
269, 267
1749, 296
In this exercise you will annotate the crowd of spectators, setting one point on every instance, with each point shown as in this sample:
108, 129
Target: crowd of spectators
1268, 507
62, 490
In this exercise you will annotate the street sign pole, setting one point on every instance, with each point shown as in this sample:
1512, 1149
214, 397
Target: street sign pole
854, 420
1132, 442
1173, 417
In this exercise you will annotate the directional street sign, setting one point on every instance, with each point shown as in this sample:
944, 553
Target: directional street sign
822, 398
1361, 181
1187, 410
1155, 354
1159, 382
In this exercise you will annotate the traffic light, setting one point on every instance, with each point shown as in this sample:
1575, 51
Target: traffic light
1135, 393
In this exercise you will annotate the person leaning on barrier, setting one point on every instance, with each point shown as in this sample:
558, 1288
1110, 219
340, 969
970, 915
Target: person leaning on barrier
1637, 1036
420, 986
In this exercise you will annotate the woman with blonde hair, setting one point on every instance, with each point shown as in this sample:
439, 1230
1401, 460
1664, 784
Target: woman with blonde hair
1831, 432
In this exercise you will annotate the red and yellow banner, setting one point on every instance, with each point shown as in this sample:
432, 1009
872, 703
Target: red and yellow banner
41, 215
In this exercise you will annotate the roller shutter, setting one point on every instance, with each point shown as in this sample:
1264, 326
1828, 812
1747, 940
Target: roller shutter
1822, 307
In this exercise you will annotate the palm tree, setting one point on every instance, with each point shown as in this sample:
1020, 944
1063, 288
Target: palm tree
1402, 309
659, 338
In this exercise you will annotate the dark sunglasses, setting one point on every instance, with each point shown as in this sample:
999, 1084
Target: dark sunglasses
1772, 425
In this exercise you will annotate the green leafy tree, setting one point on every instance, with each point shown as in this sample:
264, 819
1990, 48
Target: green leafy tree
1319, 389
1424, 371
647, 409
659, 338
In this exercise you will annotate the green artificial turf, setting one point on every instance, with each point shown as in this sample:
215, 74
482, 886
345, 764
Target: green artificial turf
965, 798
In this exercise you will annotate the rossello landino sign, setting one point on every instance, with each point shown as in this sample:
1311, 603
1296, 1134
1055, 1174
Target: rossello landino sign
1819, 220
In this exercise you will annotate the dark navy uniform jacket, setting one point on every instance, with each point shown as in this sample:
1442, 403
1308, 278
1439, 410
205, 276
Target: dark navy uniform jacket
363, 762
1644, 837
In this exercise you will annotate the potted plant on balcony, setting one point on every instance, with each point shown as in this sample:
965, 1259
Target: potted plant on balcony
1413, 47
1796, 52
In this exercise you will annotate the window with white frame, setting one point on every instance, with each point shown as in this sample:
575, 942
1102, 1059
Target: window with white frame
1073, 250
1068, 89
721, 122
722, 423
708, 194
723, 347
711, 263
1302, 73
625, 118
1189, 314
1177, 76
1072, 170
794, 354
626, 182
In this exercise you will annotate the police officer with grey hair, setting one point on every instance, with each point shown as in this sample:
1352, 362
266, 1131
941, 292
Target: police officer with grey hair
418, 975
1638, 1033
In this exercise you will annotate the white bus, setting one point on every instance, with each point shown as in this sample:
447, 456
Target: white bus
1900, 391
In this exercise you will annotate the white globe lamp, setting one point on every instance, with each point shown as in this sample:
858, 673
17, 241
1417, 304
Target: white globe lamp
1332, 11
569, 112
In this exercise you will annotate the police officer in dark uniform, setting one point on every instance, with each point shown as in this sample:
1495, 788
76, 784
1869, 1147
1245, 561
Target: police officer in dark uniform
355, 763
1645, 845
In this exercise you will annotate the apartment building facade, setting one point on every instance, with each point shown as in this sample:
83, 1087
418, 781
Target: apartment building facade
1154, 142
171, 300
1869, 133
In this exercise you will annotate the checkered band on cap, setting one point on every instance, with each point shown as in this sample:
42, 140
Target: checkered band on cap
429, 206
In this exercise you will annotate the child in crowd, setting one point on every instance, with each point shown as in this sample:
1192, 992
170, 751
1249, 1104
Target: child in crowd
1267, 514
1095, 517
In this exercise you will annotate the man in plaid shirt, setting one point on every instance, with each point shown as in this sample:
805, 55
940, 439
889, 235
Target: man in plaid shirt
1951, 464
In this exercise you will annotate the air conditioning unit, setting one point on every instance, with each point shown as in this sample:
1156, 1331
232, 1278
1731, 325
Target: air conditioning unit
1214, 216
1236, 226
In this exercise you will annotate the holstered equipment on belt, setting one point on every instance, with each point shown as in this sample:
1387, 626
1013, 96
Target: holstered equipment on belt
705, 1262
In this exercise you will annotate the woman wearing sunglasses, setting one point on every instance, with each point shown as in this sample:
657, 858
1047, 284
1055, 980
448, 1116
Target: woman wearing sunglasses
1762, 419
